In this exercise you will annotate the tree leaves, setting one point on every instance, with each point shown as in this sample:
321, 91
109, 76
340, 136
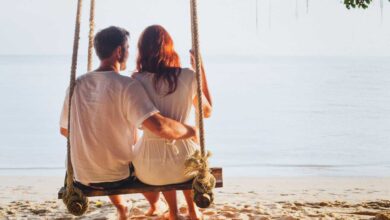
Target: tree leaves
357, 3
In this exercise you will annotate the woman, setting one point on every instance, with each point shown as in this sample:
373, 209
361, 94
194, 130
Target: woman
173, 91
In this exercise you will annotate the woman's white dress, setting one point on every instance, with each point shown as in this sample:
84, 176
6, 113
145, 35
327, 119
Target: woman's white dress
160, 161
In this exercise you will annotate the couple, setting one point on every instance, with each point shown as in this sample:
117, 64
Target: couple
108, 108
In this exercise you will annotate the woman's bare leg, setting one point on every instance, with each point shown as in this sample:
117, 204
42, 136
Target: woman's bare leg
170, 197
193, 211
152, 198
120, 206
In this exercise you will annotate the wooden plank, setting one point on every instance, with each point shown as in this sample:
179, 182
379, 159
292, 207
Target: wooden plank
139, 187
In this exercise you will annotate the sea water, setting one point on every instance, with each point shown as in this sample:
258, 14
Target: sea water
273, 116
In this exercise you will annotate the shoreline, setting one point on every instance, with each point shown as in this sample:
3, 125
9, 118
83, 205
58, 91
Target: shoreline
244, 171
288, 198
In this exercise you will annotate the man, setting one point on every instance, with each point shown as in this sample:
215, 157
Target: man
107, 109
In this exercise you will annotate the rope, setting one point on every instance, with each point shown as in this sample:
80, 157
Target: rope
72, 83
204, 182
73, 198
91, 34
195, 45
197, 164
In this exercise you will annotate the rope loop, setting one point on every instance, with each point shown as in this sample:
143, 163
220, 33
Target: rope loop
76, 202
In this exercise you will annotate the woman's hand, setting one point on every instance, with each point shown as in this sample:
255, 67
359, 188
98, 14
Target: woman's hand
192, 55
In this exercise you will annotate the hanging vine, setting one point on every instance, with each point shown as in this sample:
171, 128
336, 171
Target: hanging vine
381, 5
307, 6
257, 16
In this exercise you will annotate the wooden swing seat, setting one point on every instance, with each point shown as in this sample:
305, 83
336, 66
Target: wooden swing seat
139, 187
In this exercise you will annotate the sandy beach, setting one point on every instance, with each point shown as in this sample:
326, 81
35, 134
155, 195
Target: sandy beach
263, 198
298, 90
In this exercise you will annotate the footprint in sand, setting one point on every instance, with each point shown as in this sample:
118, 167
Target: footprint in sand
258, 218
183, 210
210, 212
229, 208
230, 214
287, 218
247, 210
136, 212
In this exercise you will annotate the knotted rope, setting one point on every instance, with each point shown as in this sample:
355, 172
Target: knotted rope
197, 164
204, 182
73, 198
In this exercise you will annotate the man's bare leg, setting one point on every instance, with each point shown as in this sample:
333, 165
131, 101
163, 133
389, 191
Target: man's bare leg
120, 206
152, 198
193, 211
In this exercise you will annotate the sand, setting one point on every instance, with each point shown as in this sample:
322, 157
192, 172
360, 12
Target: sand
284, 198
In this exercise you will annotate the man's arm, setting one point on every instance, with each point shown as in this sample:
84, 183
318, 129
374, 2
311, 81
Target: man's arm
64, 116
140, 111
163, 127
169, 128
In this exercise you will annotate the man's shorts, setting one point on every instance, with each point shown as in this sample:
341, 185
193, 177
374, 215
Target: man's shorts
109, 185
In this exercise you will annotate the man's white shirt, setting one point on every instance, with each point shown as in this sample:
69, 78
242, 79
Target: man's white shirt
107, 109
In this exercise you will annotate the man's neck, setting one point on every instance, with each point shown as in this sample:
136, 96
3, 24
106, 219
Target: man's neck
109, 66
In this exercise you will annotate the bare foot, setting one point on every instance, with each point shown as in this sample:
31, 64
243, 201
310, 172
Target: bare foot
123, 213
153, 211
169, 216
195, 214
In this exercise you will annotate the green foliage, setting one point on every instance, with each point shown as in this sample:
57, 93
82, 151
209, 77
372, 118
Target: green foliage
357, 3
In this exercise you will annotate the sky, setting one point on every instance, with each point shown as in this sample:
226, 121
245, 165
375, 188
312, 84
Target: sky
227, 27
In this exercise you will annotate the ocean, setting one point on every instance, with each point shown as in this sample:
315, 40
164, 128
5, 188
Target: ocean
273, 116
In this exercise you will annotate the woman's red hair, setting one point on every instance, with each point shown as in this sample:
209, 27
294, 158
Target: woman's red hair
156, 55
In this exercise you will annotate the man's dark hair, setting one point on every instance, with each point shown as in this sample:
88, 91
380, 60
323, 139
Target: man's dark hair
108, 39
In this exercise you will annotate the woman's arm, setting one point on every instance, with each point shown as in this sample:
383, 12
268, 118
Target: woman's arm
163, 127
205, 86
206, 97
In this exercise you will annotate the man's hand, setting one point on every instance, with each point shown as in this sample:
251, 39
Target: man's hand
169, 128
196, 137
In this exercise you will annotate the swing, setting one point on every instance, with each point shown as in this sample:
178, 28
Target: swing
76, 199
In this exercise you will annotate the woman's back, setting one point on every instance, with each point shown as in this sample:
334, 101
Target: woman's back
176, 105
160, 161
